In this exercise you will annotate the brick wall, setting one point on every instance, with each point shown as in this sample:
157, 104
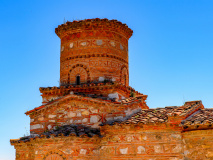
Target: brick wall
147, 143
118, 142
76, 111
198, 145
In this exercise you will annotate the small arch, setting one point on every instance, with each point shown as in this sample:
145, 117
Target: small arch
78, 73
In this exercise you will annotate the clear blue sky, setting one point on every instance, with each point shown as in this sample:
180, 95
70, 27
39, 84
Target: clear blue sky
170, 52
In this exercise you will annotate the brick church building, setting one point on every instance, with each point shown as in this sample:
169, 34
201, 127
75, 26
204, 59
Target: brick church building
94, 114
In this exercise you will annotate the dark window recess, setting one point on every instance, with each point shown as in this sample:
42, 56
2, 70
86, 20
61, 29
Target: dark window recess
78, 80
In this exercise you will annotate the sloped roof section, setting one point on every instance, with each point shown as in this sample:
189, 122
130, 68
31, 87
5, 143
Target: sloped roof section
163, 115
201, 119
67, 130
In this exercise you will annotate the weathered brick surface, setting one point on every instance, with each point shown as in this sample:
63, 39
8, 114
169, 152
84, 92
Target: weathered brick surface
118, 142
77, 110
94, 49
198, 144
97, 51
151, 142
104, 89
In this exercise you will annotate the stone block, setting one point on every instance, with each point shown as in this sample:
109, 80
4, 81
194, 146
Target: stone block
36, 126
94, 110
113, 96
85, 120
158, 149
71, 114
141, 150
79, 114
109, 118
83, 151
49, 127
94, 118
118, 117
77, 121
101, 79
124, 150
41, 118
99, 42
176, 136
85, 113
51, 116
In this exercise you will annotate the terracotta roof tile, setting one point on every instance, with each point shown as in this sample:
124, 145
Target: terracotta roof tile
67, 130
160, 115
201, 117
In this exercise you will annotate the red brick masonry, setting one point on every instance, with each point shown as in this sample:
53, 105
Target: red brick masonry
94, 114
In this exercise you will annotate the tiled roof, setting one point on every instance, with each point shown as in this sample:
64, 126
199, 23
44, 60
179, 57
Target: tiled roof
160, 115
201, 117
67, 130
132, 99
150, 116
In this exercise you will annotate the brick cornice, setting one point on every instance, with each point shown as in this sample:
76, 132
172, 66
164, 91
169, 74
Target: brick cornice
87, 88
93, 55
94, 24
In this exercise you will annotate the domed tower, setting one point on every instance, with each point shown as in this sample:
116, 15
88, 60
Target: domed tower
94, 50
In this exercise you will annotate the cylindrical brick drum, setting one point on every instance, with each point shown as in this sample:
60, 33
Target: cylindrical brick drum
94, 50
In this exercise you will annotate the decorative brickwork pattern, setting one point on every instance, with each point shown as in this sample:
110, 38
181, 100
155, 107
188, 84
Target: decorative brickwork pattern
78, 70
99, 44
73, 109
95, 114
198, 144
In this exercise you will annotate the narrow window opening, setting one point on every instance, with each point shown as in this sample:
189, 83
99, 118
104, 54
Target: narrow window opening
78, 80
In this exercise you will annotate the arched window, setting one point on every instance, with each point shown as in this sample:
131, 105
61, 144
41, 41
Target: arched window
78, 80
124, 76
